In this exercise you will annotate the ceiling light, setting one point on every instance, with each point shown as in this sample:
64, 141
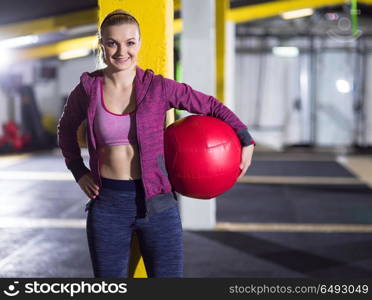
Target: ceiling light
286, 51
74, 53
80, 30
19, 41
343, 86
293, 14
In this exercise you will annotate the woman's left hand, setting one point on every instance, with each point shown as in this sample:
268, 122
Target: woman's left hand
247, 153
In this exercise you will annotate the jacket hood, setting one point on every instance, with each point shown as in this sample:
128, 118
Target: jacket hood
142, 81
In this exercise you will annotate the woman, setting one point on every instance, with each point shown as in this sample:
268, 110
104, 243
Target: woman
127, 182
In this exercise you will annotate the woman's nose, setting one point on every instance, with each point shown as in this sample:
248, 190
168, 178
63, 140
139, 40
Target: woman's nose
121, 50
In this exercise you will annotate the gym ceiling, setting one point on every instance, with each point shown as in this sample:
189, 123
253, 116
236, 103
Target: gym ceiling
64, 24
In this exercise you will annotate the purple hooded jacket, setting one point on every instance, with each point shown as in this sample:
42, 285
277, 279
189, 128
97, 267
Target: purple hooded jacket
154, 96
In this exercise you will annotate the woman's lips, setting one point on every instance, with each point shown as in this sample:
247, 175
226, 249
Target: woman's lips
122, 60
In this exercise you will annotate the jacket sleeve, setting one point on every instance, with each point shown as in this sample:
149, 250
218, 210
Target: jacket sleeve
71, 118
182, 96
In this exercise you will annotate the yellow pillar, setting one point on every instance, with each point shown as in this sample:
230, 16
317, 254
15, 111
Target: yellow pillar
222, 7
156, 21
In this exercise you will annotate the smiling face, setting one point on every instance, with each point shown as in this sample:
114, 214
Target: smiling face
120, 45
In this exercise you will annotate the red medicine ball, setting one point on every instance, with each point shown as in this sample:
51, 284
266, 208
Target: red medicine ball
202, 156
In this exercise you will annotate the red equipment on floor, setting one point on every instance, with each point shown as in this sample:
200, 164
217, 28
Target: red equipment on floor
12, 138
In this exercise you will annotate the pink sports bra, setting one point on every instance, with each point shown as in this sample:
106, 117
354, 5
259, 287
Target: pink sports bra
113, 129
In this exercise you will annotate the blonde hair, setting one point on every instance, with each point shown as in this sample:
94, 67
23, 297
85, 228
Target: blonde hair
116, 17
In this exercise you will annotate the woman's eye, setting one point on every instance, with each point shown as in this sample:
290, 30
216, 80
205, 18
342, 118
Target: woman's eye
110, 44
131, 43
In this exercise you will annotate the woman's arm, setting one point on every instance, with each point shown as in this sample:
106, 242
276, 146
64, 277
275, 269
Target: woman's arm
74, 113
182, 96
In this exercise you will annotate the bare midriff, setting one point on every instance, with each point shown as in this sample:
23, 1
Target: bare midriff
119, 162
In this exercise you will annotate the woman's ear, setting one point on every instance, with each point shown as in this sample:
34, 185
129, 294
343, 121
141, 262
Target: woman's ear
102, 51
139, 43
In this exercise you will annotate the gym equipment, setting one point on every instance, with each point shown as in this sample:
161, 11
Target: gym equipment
13, 139
31, 117
202, 156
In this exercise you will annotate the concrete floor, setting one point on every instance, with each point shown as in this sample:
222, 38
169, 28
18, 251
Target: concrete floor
298, 213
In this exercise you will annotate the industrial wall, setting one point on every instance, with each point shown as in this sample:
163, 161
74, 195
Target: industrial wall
318, 97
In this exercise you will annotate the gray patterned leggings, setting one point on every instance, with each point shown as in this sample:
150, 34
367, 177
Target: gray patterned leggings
114, 214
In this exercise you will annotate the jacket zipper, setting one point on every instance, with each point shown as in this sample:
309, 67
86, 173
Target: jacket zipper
140, 154
94, 145
139, 148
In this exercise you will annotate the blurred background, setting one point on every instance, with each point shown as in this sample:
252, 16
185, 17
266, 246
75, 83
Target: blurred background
297, 73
